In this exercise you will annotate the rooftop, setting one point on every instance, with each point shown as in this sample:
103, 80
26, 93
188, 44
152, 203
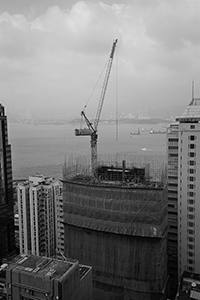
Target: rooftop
189, 287
192, 112
2, 112
42, 266
134, 172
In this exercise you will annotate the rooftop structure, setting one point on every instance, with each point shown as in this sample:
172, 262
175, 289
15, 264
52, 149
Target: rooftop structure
36, 277
189, 288
191, 113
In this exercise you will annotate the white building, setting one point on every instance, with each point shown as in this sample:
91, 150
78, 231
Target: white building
59, 225
172, 156
185, 138
24, 217
37, 216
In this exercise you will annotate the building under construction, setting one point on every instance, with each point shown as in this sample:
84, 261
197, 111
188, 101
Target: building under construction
117, 223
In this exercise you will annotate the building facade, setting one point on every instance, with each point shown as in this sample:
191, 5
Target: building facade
59, 224
118, 225
7, 237
172, 176
183, 142
189, 189
36, 211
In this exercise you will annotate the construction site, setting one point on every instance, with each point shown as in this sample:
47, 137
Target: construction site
115, 217
116, 222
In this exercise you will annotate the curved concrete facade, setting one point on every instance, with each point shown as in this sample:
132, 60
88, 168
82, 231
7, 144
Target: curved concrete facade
121, 232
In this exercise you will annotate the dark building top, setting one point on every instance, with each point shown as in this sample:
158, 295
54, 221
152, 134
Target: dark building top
7, 240
189, 287
38, 277
45, 267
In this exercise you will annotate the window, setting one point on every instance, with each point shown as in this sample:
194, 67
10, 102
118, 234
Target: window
192, 137
191, 254
191, 261
191, 209
172, 184
192, 126
191, 162
191, 224
192, 146
190, 246
173, 154
191, 186
191, 239
191, 154
191, 217
191, 171
191, 178
190, 201
191, 194
191, 231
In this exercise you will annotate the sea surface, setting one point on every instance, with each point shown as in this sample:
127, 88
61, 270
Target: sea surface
43, 149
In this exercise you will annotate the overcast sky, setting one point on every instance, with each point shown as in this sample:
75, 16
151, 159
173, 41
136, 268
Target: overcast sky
53, 52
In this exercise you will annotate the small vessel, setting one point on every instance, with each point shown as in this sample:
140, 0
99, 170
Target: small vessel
135, 132
152, 131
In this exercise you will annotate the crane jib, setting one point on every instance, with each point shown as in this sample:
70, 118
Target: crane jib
113, 48
92, 129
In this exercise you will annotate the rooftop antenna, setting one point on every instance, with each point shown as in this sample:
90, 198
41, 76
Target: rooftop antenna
193, 90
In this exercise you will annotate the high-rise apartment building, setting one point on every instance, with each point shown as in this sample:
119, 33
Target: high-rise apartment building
59, 224
189, 189
183, 141
172, 154
36, 216
7, 238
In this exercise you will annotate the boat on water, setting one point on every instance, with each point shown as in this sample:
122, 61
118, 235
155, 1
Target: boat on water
135, 132
152, 131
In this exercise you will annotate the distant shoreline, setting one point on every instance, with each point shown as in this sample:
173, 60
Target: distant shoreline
106, 122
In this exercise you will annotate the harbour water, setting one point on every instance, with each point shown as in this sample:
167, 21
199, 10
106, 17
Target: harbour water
42, 149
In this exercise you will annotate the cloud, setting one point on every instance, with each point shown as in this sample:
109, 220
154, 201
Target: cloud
54, 58
174, 23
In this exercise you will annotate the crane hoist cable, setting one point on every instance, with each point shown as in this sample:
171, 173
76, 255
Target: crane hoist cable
96, 84
92, 128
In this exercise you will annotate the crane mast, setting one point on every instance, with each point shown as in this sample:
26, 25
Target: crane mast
92, 129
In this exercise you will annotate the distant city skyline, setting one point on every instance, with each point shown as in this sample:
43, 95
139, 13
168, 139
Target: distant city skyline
53, 52
164, 113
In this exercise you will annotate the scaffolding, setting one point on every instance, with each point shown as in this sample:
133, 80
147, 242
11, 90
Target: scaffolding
119, 221
138, 170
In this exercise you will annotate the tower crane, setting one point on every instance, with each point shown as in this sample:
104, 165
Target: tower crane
93, 128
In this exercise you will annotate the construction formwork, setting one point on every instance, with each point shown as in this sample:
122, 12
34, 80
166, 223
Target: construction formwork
119, 228
155, 167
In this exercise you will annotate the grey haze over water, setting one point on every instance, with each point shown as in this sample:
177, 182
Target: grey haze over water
43, 149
